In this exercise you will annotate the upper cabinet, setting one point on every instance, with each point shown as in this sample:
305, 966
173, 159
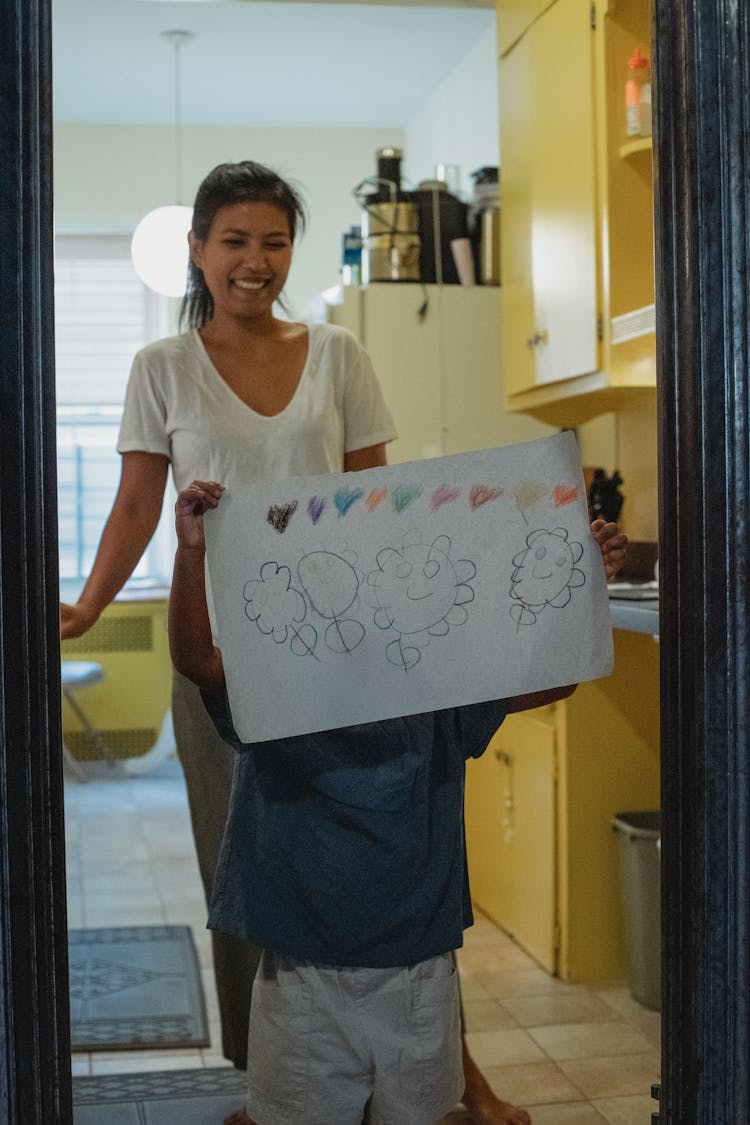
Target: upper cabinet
577, 209
514, 17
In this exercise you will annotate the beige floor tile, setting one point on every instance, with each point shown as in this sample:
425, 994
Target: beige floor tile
126, 906
579, 1006
627, 1111
484, 958
114, 915
471, 986
486, 1015
531, 1084
615, 1076
502, 1048
522, 982
621, 1000
590, 1040
129, 881
94, 859
570, 1113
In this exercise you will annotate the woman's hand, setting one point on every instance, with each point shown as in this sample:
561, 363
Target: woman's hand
612, 544
75, 620
192, 502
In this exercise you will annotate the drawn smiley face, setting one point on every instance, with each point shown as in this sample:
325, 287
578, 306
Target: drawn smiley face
546, 569
417, 586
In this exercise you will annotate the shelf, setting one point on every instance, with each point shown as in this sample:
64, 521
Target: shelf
631, 325
640, 144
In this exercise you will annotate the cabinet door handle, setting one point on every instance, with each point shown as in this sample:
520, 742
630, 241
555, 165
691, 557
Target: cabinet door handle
504, 757
537, 339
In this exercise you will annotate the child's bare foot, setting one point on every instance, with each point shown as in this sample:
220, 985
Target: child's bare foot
484, 1107
239, 1117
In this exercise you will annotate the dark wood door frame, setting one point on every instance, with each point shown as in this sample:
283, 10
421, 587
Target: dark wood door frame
34, 1022
702, 170
703, 332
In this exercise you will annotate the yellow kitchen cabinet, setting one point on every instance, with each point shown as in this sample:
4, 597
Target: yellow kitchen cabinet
511, 829
517, 16
577, 211
539, 807
128, 706
436, 350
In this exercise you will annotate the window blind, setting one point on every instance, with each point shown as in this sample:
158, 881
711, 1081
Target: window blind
103, 315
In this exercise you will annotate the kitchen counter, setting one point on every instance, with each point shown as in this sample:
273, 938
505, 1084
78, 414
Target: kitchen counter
635, 616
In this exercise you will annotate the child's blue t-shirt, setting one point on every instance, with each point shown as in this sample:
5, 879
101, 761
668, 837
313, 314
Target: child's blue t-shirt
347, 847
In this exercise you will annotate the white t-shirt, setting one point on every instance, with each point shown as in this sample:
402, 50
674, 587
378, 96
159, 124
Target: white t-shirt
177, 404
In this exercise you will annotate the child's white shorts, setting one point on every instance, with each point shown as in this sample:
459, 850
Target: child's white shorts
332, 1046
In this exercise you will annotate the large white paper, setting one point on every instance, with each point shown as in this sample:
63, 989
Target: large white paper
352, 597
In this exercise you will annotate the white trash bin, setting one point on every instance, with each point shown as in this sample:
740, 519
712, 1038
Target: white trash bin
639, 854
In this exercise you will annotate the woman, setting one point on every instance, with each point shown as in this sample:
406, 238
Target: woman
241, 396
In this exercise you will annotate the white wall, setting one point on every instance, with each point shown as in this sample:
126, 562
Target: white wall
108, 176
459, 123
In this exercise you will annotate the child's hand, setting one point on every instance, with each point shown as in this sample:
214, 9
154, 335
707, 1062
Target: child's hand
612, 544
192, 502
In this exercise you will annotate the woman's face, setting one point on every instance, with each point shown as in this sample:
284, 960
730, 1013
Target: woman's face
245, 258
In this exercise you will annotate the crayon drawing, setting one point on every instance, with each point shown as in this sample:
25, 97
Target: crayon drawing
544, 574
460, 579
419, 593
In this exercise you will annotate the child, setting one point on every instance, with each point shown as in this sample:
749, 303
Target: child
344, 859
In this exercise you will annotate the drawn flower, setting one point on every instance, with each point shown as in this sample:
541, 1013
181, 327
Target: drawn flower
544, 574
332, 584
420, 593
273, 603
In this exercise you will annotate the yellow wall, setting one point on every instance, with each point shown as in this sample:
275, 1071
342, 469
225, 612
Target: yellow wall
626, 440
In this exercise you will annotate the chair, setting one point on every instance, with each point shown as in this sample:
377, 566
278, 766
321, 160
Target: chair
77, 674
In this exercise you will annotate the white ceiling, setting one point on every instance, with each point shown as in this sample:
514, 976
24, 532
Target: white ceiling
254, 62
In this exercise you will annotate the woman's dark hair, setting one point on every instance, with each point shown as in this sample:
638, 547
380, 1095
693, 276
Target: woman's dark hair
245, 182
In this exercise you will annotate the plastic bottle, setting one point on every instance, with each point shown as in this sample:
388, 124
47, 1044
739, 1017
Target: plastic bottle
351, 257
637, 106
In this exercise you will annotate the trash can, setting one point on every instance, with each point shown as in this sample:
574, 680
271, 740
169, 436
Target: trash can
639, 855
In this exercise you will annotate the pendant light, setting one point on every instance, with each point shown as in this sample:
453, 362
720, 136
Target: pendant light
159, 248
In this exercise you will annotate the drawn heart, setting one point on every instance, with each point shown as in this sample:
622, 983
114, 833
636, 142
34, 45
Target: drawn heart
345, 497
529, 493
279, 515
403, 494
483, 494
443, 495
562, 494
315, 506
377, 496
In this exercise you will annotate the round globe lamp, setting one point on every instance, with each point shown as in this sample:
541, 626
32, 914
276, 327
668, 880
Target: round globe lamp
159, 249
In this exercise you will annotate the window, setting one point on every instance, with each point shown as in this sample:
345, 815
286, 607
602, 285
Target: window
103, 316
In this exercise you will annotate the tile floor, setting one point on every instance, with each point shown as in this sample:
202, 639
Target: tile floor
570, 1054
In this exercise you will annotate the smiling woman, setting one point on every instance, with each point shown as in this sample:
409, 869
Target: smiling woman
241, 396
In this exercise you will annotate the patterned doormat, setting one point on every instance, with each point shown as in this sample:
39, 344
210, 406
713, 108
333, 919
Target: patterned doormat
135, 987
165, 1097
